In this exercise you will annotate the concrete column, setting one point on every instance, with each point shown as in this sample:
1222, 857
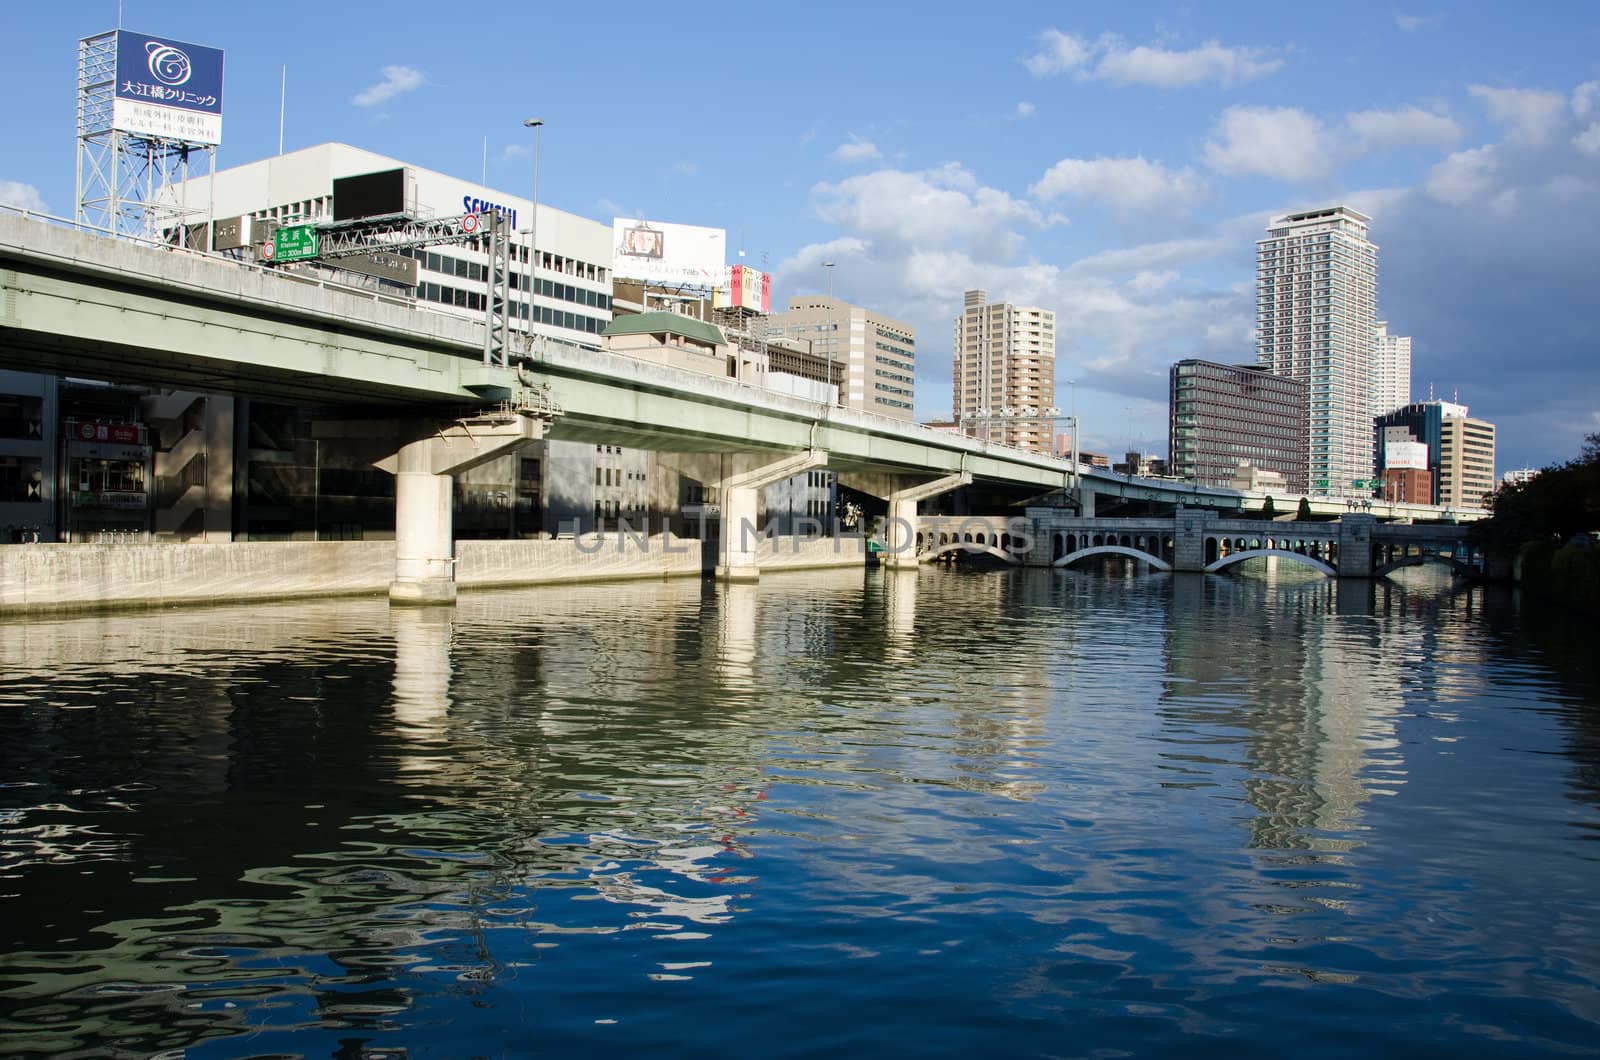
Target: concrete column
1085, 502
424, 562
738, 550
1355, 545
1189, 540
900, 533
741, 536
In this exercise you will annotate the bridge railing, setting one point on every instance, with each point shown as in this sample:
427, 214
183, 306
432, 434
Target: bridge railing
309, 279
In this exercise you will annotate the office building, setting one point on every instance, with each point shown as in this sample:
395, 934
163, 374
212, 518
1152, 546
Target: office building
1391, 370
1005, 366
1223, 416
1459, 450
1466, 462
1316, 320
1519, 476
877, 352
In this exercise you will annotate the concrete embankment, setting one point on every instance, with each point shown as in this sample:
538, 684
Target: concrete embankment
90, 577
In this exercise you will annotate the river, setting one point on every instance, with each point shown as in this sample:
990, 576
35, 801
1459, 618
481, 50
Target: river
953, 813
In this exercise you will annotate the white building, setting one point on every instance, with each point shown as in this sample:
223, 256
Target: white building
1316, 317
573, 273
1391, 370
879, 352
1005, 363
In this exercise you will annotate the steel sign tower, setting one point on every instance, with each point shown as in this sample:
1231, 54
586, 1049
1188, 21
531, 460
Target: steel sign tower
146, 105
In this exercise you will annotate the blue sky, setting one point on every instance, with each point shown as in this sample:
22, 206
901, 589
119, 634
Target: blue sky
1113, 162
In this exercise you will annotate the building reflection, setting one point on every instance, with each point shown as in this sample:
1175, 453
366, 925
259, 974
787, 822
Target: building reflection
1303, 680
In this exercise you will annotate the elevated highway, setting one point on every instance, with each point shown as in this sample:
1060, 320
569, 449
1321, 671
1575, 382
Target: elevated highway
79, 304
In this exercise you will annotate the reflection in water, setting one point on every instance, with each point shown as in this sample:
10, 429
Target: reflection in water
1035, 812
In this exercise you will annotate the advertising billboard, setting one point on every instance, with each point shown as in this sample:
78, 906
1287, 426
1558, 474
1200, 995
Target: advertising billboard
380, 194
1406, 454
167, 89
674, 255
745, 288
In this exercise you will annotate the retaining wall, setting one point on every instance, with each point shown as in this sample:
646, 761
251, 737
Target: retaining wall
85, 577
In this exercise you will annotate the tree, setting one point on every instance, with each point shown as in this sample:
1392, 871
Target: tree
1561, 501
1303, 513
1268, 509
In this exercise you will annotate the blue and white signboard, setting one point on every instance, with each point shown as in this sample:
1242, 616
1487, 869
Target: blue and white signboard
168, 89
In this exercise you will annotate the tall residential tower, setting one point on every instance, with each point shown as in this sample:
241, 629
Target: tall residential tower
1005, 364
1316, 321
1391, 370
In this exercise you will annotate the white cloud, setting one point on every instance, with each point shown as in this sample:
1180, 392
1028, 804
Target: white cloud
396, 80
1125, 184
1278, 142
943, 207
1412, 23
1211, 61
1111, 59
1058, 53
1465, 177
684, 168
23, 196
1588, 141
1530, 115
1586, 99
856, 150
1410, 126
1025, 109
511, 151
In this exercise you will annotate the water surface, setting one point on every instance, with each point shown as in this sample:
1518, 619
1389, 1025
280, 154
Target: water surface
1011, 813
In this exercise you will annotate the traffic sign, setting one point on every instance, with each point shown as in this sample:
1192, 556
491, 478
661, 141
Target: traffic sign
294, 243
469, 223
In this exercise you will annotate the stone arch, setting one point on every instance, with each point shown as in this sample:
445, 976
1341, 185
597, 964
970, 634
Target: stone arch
1112, 550
1252, 553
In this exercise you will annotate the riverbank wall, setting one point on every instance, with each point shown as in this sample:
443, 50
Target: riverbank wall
77, 577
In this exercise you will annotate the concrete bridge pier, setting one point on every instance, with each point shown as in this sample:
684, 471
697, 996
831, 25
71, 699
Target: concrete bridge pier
1189, 539
1355, 545
740, 539
903, 492
424, 492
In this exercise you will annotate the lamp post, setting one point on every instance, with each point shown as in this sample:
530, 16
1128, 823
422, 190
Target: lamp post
530, 273
839, 398
1072, 385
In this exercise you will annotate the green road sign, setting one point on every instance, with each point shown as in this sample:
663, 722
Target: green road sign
294, 243
1320, 484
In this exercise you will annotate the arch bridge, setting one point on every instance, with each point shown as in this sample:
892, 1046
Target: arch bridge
1355, 545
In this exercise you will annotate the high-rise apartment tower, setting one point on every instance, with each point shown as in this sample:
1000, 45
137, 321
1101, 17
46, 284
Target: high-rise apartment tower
1316, 320
1391, 370
1004, 376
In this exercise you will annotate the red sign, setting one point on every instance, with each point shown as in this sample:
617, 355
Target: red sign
118, 433
267, 250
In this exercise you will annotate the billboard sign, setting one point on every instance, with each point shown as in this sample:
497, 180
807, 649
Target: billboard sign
669, 254
384, 264
745, 288
294, 243
167, 89
380, 194
1406, 454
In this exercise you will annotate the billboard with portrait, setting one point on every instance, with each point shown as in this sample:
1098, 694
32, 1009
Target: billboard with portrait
167, 89
669, 254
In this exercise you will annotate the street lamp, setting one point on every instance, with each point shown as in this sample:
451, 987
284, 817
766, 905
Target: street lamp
529, 274
840, 397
